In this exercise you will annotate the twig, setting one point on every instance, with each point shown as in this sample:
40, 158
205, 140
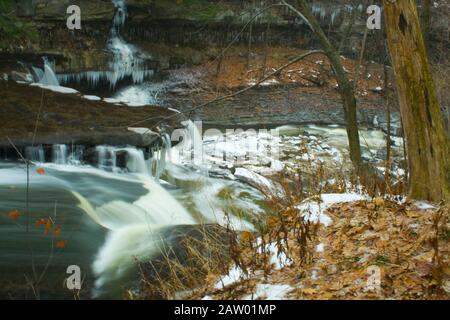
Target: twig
277, 71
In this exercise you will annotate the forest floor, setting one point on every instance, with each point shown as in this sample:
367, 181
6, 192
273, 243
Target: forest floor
303, 92
373, 249
313, 74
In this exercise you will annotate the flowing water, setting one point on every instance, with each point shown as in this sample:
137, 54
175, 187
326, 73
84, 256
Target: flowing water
126, 61
109, 216
127, 206
112, 216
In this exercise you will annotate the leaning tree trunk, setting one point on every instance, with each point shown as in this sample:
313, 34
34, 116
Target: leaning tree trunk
426, 140
345, 87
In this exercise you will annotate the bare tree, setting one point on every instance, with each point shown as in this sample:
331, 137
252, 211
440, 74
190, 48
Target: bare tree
346, 89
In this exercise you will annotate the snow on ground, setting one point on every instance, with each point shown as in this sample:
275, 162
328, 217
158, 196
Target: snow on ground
320, 247
265, 291
140, 130
234, 275
54, 88
422, 205
111, 100
279, 259
92, 98
269, 82
315, 209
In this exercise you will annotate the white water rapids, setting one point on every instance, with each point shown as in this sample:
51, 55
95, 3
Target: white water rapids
132, 205
123, 213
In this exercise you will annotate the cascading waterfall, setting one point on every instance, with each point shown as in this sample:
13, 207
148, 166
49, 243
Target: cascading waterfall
106, 157
121, 195
76, 156
159, 156
35, 153
60, 154
46, 76
136, 161
126, 60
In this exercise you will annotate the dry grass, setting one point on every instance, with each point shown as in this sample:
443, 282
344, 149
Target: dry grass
192, 270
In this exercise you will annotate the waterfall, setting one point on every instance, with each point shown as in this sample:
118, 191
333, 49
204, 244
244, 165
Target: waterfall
47, 76
191, 143
37, 73
35, 154
60, 154
136, 161
159, 157
76, 157
106, 157
126, 59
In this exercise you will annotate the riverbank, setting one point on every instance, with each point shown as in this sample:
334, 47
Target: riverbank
70, 118
370, 249
305, 92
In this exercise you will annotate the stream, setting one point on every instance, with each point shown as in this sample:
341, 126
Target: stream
111, 216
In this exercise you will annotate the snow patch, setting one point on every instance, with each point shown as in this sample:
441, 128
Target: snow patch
92, 98
320, 247
314, 209
54, 88
234, 275
270, 292
422, 205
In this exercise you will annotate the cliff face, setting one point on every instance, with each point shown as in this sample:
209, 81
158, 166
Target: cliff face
198, 24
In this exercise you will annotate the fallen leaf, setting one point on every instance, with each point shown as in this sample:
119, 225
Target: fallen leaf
57, 232
14, 215
446, 286
41, 222
413, 214
61, 244
247, 236
48, 226
379, 201
308, 291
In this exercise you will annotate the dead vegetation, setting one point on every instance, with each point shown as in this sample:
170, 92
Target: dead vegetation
405, 244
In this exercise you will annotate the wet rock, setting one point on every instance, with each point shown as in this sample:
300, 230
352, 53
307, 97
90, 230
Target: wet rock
259, 182
20, 76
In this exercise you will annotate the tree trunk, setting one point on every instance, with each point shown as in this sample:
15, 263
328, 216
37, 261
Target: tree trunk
345, 87
426, 20
426, 141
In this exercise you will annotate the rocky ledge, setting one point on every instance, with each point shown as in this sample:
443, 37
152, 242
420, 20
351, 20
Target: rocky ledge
61, 118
